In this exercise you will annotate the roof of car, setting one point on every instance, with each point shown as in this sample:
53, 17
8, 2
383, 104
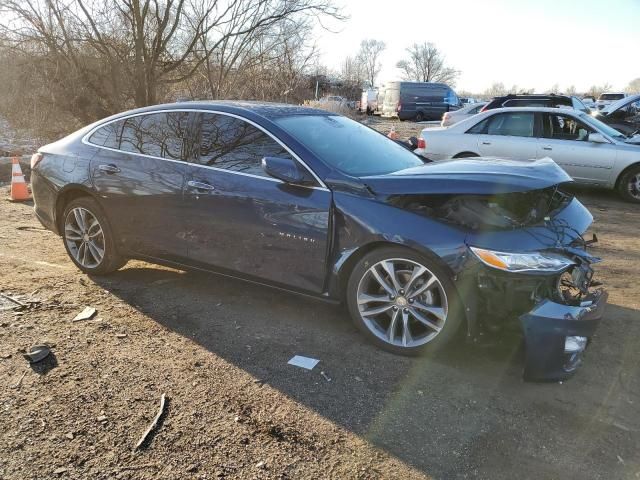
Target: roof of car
532, 95
263, 109
535, 109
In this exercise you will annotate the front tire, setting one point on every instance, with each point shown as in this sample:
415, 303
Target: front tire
88, 238
403, 302
629, 185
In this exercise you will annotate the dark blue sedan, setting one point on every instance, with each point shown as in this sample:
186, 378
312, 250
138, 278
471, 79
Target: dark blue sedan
312, 202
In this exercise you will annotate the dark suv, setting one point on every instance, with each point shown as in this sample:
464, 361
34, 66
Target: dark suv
550, 100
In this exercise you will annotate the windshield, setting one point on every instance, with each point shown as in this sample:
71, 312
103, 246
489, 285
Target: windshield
603, 127
348, 146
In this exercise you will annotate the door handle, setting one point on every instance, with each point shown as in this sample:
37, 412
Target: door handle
486, 143
200, 186
547, 148
110, 168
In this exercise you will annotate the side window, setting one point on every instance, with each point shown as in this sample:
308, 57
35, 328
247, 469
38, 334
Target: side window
108, 136
517, 124
233, 144
157, 134
563, 127
480, 128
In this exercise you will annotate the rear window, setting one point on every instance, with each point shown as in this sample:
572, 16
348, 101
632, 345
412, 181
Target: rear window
611, 96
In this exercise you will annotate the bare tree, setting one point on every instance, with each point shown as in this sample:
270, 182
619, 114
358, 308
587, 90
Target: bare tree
427, 64
352, 72
369, 56
133, 50
555, 89
595, 90
497, 89
634, 86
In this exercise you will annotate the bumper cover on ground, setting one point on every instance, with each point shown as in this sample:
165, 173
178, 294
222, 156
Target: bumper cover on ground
546, 328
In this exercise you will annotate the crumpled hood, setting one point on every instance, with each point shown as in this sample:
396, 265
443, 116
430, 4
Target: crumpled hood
478, 176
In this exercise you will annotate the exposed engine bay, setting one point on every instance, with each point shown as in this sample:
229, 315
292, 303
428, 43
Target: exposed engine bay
499, 211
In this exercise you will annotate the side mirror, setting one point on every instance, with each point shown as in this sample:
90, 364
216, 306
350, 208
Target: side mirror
285, 169
597, 138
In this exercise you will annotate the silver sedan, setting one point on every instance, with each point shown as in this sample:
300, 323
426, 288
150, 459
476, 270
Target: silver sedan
590, 151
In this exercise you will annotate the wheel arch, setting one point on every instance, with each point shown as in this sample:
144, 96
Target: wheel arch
68, 194
466, 154
345, 265
625, 170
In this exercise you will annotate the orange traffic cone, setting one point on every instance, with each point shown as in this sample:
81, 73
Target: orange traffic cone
19, 190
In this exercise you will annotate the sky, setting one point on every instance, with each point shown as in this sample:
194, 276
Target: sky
534, 44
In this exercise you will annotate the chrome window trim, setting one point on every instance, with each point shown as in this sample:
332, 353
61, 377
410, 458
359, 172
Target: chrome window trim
86, 141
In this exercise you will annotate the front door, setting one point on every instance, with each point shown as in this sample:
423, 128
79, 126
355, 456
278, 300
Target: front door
508, 135
246, 222
139, 174
566, 141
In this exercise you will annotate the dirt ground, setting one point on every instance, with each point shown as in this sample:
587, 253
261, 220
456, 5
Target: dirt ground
218, 348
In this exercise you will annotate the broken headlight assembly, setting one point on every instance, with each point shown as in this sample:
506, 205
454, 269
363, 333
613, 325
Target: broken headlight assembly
523, 262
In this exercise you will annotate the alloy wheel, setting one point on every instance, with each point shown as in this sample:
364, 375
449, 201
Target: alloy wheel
84, 237
402, 302
633, 186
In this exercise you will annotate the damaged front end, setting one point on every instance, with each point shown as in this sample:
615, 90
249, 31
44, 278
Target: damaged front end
526, 260
559, 307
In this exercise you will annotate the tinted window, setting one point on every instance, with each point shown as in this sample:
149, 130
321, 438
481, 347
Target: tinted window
157, 134
527, 103
515, 124
233, 144
611, 96
108, 136
347, 145
563, 127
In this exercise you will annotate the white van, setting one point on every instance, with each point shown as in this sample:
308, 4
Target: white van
369, 101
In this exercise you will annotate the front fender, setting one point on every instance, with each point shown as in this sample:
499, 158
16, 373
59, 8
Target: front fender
362, 224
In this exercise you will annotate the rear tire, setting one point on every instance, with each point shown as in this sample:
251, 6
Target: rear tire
88, 238
429, 309
419, 117
629, 185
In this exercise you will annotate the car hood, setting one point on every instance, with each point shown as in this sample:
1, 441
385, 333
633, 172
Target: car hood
618, 104
478, 176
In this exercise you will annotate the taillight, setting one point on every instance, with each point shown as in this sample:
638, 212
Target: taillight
35, 159
398, 107
422, 143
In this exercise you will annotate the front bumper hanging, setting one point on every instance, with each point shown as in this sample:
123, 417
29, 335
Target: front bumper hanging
556, 336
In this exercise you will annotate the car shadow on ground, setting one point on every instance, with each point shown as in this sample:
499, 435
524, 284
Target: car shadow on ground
464, 413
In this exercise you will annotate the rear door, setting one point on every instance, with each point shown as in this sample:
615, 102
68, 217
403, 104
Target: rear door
139, 172
566, 142
510, 135
244, 221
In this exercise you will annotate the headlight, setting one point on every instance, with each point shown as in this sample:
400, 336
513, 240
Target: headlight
522, 262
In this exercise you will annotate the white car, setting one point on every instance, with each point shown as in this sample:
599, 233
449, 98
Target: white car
607, 98
455, 116
589, 150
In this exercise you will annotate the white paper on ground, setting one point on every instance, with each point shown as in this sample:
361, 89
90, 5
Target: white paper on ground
303, 362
